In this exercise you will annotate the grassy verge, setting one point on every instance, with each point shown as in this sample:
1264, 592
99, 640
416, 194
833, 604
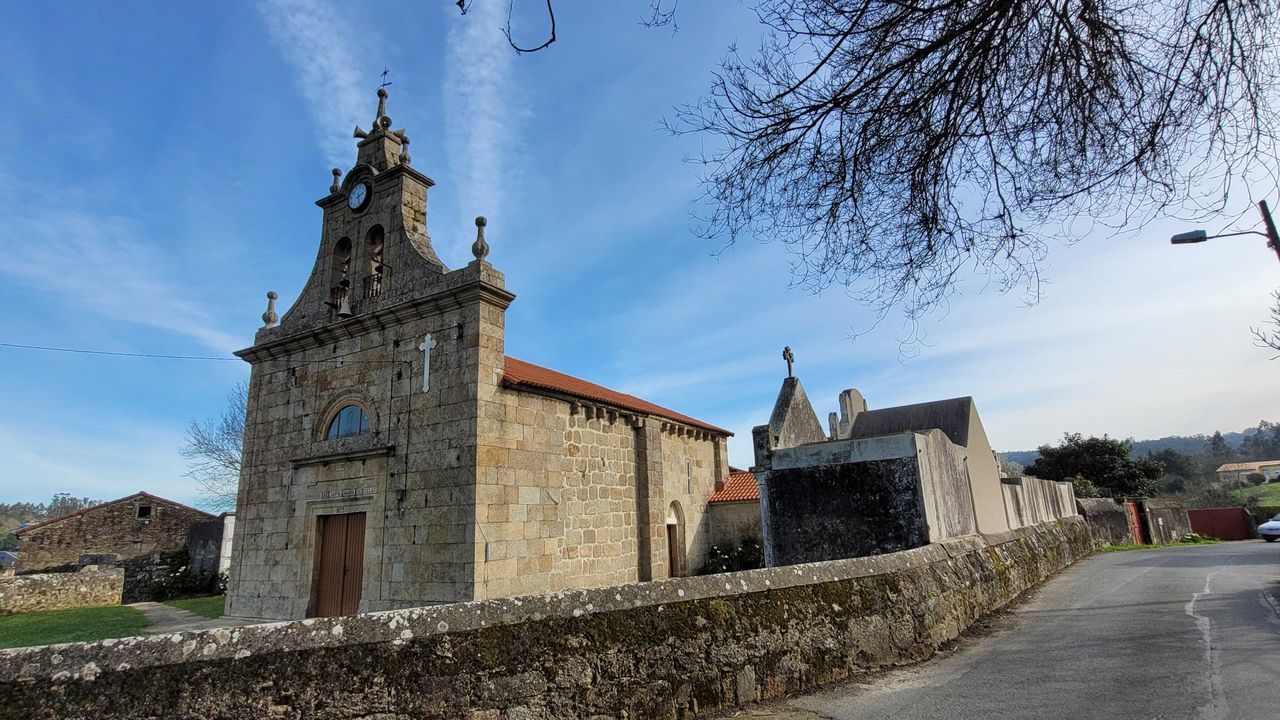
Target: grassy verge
1268, 494
210, 607
1191, 539
75, 625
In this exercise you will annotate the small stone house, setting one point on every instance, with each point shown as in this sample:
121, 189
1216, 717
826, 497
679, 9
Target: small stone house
130, 527
395, 455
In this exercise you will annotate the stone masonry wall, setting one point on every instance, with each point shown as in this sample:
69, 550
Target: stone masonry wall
111, 528
559, 500
668, 649
58, 591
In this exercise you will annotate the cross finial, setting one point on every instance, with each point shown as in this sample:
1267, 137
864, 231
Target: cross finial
789, 357
385, 72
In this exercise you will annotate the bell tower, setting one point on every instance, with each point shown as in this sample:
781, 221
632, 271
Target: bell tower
374, 246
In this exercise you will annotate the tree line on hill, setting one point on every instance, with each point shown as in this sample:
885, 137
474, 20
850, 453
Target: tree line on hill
15, 515
1184, 467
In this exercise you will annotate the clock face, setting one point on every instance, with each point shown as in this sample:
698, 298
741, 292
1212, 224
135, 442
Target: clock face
358, 195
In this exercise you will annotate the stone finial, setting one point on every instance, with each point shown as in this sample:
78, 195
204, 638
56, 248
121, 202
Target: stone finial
789, 357
336, 186
404, 149
480, 248
270, 317
382, 105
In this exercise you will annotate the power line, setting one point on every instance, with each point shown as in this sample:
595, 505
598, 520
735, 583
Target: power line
82, 351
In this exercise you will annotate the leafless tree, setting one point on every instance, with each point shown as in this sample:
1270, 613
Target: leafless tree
213, 449
898, 146
1269, 337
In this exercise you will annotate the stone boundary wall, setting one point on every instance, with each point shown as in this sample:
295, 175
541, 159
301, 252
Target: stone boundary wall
1032, 500
59, 591
1108, 521
666, 649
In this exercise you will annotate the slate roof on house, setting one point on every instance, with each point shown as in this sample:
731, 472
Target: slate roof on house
741, 486
518, 373
81, 513
8, 558
949, 416
1246, 466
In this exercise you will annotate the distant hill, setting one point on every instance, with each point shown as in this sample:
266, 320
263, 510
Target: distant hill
1181, 443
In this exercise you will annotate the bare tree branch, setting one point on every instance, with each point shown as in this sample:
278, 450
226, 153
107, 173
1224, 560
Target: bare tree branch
899, 147
658, 17
550, 39
1270, 337
213, 449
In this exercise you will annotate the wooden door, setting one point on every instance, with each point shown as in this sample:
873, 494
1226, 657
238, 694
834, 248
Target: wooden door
675, 551
341, 565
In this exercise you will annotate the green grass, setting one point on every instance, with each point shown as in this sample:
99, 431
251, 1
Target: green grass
1191, 539
76, 625
210, 607
1268, 494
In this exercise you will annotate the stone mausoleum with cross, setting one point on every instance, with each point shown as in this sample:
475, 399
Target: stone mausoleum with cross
395, 456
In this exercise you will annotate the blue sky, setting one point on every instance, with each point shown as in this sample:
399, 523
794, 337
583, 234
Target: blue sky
159, 164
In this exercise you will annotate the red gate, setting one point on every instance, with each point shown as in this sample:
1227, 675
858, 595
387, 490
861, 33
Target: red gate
1221, 523
1136, 526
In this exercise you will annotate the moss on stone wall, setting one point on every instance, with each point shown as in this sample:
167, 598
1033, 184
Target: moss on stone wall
810, 625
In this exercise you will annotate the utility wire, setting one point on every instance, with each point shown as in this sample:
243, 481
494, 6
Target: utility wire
82, 351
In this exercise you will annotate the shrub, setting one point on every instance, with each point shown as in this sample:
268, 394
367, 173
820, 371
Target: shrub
747, 556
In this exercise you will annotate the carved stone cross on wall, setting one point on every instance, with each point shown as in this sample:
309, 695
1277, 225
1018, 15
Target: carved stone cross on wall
427, 344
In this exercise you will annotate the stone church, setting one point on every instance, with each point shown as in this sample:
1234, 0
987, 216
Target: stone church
395, 456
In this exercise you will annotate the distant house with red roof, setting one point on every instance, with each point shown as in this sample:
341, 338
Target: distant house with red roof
735, 511
129, 527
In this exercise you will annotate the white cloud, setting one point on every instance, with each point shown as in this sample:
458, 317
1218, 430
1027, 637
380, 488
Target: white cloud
111, 461
482, 111
314, 39
107, 266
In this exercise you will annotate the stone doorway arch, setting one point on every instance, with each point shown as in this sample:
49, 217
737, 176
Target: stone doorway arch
676, 566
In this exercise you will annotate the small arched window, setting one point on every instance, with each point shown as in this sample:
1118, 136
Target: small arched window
349, 421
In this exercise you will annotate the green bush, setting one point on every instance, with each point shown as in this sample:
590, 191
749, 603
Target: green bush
747, 556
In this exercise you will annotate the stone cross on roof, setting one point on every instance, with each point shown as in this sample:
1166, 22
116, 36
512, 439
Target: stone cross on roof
789, 357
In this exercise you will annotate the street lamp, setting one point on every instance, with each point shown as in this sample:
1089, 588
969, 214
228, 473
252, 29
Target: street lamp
1199, 236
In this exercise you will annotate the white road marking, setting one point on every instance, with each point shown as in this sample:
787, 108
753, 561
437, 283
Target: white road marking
1216, 708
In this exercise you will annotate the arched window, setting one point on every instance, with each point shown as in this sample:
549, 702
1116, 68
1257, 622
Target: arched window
349, 421
377, 270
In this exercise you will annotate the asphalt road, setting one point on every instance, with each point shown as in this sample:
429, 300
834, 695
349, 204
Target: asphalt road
1190, 632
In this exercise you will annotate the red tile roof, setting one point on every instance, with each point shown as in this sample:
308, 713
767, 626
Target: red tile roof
79, 513
740, 486
519, 373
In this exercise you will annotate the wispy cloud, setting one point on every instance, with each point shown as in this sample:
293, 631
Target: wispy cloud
114, 460
109, 267
314, 39
480, 106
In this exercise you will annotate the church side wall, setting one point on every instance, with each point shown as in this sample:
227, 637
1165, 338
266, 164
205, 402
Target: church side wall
690, 470
557, 505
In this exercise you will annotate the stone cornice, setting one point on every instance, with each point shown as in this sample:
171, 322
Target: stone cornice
339, 455
444, 300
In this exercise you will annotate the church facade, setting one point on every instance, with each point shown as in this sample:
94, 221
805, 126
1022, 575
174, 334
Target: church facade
395, 456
